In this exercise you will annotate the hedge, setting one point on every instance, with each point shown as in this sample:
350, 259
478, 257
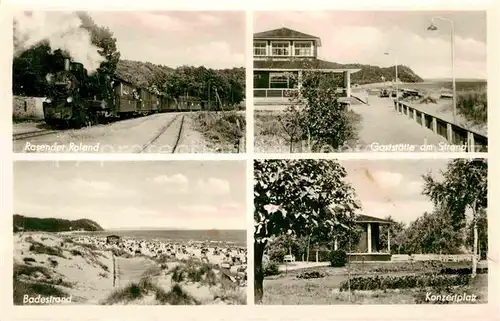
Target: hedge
404, 282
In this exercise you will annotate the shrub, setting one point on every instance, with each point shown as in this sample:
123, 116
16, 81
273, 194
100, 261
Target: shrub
271, 268
405, 282
176, 296
29, 259
40, 248
277, 254
53, 262
75, 252
311, 275
463, 271
338, 258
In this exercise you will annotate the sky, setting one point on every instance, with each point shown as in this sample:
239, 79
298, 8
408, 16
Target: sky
364, 37
210, 38
393, 187
171, 194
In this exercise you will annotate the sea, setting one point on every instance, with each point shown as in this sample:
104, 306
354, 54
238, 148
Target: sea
461, 85
233, 237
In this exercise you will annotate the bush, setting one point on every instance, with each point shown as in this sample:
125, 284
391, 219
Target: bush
463, 271
277, 254
405, 282
272, 268
338, 258
29, 259
311, 275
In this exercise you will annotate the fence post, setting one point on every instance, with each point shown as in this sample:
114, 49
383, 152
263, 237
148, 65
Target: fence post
449, 133
470, 142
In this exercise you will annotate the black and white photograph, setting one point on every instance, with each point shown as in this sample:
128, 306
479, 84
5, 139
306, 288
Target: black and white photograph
129, 82
370, 81
360, 231
129, 233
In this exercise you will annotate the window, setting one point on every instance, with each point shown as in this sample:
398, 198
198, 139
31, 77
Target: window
259, 49
303, 48
280, 48
278, 80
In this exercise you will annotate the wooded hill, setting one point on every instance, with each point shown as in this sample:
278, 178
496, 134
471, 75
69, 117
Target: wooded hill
25, 223
373, 74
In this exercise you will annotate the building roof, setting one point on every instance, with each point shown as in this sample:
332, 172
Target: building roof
285, 34
300, 64
371, 219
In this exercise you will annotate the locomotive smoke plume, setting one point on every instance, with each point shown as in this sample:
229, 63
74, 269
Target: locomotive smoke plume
62, 30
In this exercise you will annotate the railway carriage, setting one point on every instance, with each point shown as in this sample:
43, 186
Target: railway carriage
76, 99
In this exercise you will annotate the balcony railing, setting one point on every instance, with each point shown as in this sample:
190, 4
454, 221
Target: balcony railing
285, 93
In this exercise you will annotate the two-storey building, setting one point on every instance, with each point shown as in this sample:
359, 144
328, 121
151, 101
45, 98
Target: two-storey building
280, 58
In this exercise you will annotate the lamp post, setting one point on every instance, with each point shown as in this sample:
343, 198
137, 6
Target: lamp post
396, 80
433, 27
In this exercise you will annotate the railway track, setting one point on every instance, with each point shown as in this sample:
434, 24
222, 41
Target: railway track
162, 131
32, 134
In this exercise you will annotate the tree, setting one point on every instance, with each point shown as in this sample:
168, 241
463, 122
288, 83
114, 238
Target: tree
482, 232
464, 187
396, 231
433, 233
323, 121
292, 197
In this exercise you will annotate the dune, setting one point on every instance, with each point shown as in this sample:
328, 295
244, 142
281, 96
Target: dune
91, 271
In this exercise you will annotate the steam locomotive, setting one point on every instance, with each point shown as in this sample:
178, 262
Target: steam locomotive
75, 99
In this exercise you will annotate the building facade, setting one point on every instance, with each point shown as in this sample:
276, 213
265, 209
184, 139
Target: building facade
369, 248
281, 56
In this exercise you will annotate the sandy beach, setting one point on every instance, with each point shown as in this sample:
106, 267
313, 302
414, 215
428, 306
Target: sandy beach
94, 270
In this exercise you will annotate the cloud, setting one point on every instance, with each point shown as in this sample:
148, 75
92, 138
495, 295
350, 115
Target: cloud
232, 206
214, 186
405, 211
216, 54
98, 189
177, 183
198, 209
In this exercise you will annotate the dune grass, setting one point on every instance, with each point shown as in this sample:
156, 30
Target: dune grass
146, 287
225, 130
40, 248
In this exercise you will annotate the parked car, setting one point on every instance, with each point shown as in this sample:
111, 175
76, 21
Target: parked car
384, 93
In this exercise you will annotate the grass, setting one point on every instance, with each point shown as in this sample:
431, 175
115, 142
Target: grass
46, 285
146, 287
225, 130
40, 248
290, 289
22, 288
192, 271
271, 136
473, 105
26, 119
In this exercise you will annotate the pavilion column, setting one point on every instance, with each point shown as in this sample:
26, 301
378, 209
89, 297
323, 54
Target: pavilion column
347, 83
388, 241
299, 80
369, 237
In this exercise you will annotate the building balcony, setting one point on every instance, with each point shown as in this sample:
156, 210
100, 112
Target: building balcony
286, 92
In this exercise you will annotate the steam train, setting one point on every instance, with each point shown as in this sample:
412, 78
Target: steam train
75, 99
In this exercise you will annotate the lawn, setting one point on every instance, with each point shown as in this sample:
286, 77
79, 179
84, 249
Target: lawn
288, 289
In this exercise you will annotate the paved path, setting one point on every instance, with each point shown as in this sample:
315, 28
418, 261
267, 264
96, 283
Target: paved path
381, 126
